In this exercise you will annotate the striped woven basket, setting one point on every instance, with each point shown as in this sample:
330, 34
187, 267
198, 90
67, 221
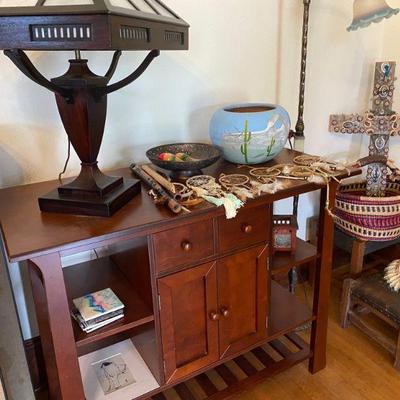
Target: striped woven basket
368, 218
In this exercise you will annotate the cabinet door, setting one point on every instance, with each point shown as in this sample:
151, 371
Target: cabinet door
242, 294
189, 320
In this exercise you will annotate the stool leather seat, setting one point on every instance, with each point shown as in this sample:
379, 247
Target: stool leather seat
375, 291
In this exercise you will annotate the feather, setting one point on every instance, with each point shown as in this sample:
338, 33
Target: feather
392, 275
318, 179
230, 211
200, 191
269, 188
230, 202
243, 193
287, 170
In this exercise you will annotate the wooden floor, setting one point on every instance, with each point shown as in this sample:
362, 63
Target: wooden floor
357, 369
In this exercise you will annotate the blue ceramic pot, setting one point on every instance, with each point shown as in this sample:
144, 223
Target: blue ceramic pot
250, 133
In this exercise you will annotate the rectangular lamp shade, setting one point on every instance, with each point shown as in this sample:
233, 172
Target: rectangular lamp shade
91, 25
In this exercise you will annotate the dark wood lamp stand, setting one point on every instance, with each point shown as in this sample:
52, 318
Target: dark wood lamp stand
82, 103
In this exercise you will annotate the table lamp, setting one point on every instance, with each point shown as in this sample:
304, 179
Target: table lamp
81, 95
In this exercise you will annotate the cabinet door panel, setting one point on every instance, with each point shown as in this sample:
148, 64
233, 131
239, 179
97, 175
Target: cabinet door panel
242, 293
189, 334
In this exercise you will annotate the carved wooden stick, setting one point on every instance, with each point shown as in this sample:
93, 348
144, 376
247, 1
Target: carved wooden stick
160, 179
173, 205
372, 159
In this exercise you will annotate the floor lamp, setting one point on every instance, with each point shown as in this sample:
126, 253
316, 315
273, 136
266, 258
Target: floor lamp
365, 12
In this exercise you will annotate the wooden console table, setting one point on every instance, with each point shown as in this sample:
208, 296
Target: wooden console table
199, 289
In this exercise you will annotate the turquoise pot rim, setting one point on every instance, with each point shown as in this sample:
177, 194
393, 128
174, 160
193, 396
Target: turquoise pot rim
270, 107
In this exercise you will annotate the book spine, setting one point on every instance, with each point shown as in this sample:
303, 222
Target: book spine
105, 317
102, 324
89, 324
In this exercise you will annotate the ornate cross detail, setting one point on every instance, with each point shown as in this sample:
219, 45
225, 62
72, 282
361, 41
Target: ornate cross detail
379, 123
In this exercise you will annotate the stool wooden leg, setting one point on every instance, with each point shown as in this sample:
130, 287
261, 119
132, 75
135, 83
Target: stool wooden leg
345, 304
397, 355
357, 258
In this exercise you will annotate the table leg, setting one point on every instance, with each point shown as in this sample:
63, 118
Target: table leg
322, 285
55, 327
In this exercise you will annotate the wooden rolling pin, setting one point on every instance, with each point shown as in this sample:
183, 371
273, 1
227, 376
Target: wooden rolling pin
172, 204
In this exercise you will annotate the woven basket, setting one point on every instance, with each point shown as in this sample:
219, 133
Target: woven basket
368, 218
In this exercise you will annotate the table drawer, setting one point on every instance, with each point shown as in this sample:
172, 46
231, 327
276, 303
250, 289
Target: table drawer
183, 245
250, 226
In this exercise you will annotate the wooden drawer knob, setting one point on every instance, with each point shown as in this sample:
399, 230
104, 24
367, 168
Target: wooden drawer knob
214, 316
246, 228
224, 312
186, 246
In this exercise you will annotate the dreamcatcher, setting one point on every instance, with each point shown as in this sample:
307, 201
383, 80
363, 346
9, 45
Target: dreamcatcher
209, 189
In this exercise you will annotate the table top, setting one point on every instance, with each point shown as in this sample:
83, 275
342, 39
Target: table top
28, 232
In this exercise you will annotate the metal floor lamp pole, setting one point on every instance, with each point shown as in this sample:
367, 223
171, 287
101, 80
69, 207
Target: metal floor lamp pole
298, 134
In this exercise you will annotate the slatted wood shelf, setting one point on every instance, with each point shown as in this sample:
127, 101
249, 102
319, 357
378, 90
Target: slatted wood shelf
282, 262
242, 372
100, 274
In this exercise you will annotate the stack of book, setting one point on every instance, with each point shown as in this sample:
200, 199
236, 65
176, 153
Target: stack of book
95, 310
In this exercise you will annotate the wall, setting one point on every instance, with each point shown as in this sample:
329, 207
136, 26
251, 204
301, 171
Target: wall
340, 66
14, 373
239, 51
391, 52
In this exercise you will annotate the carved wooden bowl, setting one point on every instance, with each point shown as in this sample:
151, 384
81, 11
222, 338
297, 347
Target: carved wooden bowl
204, 155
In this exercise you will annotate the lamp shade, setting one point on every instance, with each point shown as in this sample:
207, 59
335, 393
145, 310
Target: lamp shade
91, 25
368, 11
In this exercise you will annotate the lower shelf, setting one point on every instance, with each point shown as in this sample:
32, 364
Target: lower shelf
286, 312
242, 372
116, 372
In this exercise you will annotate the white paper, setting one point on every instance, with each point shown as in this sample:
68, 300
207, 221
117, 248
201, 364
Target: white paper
125, 353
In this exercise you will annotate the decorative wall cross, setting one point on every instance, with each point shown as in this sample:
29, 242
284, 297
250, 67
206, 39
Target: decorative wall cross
379, 123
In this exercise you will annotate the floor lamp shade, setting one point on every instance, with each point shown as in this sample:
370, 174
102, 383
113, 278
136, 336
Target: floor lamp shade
368, 11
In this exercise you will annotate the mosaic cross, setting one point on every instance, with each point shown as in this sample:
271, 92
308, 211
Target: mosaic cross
379, 123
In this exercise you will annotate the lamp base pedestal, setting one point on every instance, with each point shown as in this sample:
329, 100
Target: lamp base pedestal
91, 204
81, 99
